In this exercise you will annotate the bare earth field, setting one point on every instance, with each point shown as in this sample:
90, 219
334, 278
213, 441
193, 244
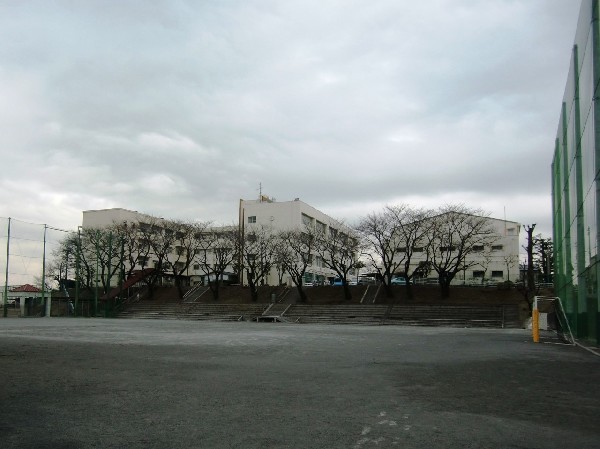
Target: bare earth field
95, 383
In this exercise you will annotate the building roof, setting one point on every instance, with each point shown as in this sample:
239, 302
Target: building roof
27, 288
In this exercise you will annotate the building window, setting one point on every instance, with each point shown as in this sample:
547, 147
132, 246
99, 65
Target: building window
252, 219
196, 267
401, 249
497, 274
497, 247
306, 220
477, 248
447, 248
417, 249
478, 274
321, 227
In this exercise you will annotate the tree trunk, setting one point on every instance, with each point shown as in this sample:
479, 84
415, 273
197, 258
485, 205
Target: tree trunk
445, 286
179, 287
347, 292
409, 290
388, 290
214, 289
253, 290
301, 292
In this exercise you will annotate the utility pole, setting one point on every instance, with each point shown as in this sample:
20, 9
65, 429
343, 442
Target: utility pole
530, 276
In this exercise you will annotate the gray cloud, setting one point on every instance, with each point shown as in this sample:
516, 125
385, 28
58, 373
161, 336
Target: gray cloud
181, 108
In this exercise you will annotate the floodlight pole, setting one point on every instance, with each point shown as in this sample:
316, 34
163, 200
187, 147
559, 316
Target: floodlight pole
97, 274
44, 301
5, 305
77, 269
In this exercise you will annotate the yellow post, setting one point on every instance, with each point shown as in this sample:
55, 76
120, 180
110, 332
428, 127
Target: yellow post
535, 325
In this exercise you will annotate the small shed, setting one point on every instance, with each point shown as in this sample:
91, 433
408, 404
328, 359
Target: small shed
28, 293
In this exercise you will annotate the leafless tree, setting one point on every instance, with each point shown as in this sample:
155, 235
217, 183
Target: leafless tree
257, 248
457, 232
411, 229
63, 260
296, 252
157, 244
392, 237
338, 251
510, 260
484, 261
181, 245
217, 252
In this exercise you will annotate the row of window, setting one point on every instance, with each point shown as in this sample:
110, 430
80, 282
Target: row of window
495, 274
476, 248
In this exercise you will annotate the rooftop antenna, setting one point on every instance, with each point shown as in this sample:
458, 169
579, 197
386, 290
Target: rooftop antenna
260, 191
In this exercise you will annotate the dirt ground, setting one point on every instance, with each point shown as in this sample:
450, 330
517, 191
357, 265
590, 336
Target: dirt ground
101, 383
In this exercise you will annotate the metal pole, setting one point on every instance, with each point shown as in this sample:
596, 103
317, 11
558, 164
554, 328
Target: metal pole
77, 269
46, 303
96, 277
5, 313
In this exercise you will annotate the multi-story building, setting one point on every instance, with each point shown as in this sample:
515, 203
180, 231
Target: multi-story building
265, 212
575, 184
496, 261
287, 216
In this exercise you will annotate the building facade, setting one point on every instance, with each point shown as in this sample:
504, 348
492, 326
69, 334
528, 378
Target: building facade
575, 186
288, 216
276, 216
490, 263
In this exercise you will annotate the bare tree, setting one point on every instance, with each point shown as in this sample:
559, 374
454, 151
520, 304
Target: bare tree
510, 260
257, 248
63, 260
338, 251
484, 262
217, 252
380, 240
543, 254
296, 252
156, 243
182, 246
395, 237
457, 233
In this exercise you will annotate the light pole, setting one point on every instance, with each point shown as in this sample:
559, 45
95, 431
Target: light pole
77, 269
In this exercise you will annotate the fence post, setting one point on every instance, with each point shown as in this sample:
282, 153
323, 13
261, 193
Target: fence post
535, 322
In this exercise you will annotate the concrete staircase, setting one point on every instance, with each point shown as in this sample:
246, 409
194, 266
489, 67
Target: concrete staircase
193, 311
454, 316
336, 314
481, 316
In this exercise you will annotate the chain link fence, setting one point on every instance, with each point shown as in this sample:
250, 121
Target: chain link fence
29, 255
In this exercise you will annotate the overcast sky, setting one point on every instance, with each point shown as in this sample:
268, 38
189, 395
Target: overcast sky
181, 108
